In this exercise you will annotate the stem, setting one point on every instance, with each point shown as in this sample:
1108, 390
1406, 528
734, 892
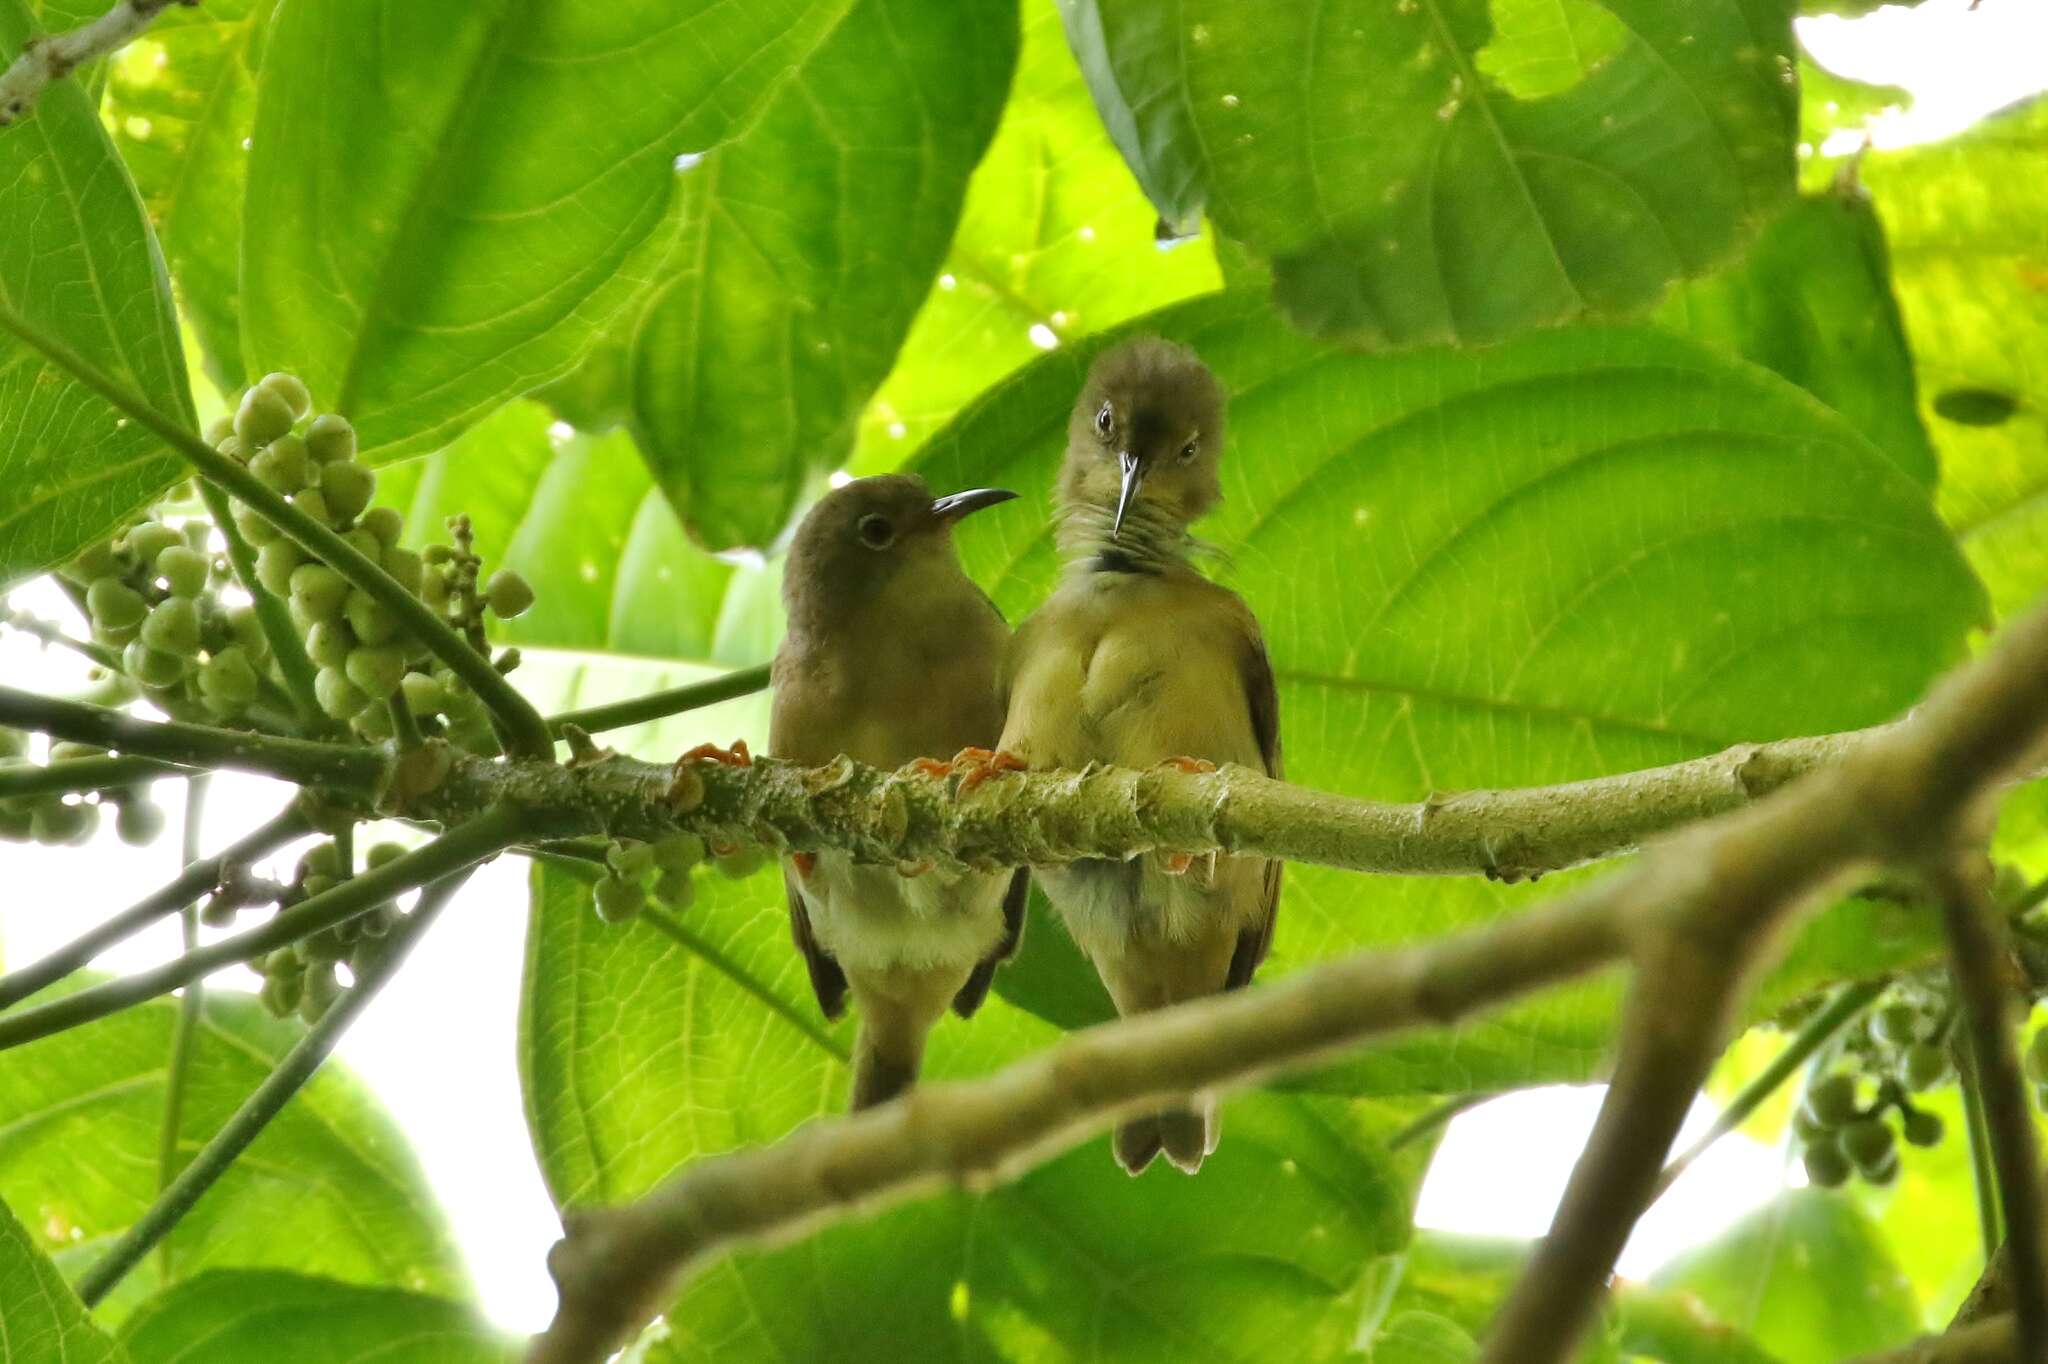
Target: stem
82, 774
57, 55
305, 762
195, 881
1849, 1002
185, 1032
657, 705
269, 1098
1436, 1117
489, 833
1982, 1177
50, 633
285, 645
403, 723
514, 711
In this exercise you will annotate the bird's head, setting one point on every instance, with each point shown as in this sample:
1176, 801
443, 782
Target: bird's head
1143, 443
869, 535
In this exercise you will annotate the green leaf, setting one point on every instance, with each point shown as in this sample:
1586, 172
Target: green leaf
255, 1316
1812, 300
1929, 1216
445, 226
77, 265
41, 1319
807, 245
1455, 170
1054, 235
1589, 551
1807, 1276
1968, 224
329, 1188
181, 101
1423, 1338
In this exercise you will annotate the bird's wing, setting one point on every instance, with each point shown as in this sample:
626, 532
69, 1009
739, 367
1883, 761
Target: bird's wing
1014, 901
828, 981
1264, 699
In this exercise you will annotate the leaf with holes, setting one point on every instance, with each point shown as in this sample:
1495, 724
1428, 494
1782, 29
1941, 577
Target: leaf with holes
328, 1188
1455, 170
41, 1319
77, 266
254, 1316
447, 226
1589, 551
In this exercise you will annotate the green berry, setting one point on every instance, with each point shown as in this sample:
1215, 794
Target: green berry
424, 693
1832, 1100
92, 563
508, 594
318, 592
376, 668
338, 696
114, 604
152, 667
218, 913
275, 564
383, 855
1924, 1066
228, 680
255, 526
742, 862
1896, 1025
374, 722
329, 643
404, 567
284, 465
56, 823
433, 588
1826, 1166
365, 544
231, 446
247, 630
369, 618
313, 505
322, 859
291, 389
149, 539
679, 852
139, 822
1867, 1142
271, 997
630, 860
1921, 1127
618, 899
385, 523
173, 627
676, 889
331, 438
348, 487
184, 570
263, 416
322, 989
1882, 1172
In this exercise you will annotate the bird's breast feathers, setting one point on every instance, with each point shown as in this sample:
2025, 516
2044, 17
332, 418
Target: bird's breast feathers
873, 918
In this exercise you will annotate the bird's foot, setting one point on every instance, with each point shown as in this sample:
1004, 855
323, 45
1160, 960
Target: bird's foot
906, 870
1176, 864
931, 767
980, 764
805, 864
736, 756
1189, 765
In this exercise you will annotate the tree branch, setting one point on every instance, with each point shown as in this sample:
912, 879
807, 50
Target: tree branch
661, 704
1697, 913
1994, 1340
57, 55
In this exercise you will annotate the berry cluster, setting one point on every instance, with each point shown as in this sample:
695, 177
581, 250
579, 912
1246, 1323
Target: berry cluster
622, 891
1844, 1123
303, 977
57, 819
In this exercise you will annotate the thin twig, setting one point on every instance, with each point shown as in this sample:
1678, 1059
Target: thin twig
97, 773
269, 1098
1435, 1118
195, 881
191, 1004
271, 617
52, 57
661, 704
1983, 1170
51, 633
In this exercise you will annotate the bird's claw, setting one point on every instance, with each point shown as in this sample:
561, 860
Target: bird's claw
1176, 864
931, 767
735, 756
980, 764
1189, 765
805, 863
906, 870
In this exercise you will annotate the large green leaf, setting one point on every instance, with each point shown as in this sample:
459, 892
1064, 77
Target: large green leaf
1806, 1276
1455, 170
181, 102
1590, 551
329, 1188
1968, 223
807, 245
1054, 242
42, 1320
258, 1316
450, 215
78, 263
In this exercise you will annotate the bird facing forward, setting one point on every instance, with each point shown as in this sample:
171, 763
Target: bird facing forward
891, 657
1137, 659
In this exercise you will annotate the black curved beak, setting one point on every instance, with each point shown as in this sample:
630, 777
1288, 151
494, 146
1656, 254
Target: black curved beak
1134, 474
952, 507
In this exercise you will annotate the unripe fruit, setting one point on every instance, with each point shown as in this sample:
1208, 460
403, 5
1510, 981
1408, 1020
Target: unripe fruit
1921, 1127
678, 852
283, 465
1883, 1172
263, 416
248, 632
404, 567
618, 899
383, 855
318, 592
55, 823
92, 563
314, 506
434, 588
1826, 1166
374, 722
630, 860
139, 823
184, 570
228, 680
368, 617
291, 389
329, 643
1925, 1066
231, 446
347, 487
424, 693
152, 667
508, 594
1867, 1142
376, 668
1832, 1100
275, 564
67, 750
338, 696
676, 889
330, 438
322, 989
255, 526
365, 544
219, 429
115, 605
741, 862
149, 539
173, 627
385, 523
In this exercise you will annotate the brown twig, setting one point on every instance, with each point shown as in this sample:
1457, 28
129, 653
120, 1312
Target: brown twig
56, 55
1994, 1340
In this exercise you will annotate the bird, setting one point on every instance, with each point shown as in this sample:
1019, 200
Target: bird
890, 658
1137, 659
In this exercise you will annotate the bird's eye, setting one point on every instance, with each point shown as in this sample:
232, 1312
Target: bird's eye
1187, 452
875, 531
1105, 419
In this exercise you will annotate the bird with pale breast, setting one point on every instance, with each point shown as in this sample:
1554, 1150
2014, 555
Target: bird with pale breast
891, 658
1137, 659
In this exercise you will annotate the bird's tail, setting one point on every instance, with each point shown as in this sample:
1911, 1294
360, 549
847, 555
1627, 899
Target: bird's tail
1185, 1135
884, 1065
